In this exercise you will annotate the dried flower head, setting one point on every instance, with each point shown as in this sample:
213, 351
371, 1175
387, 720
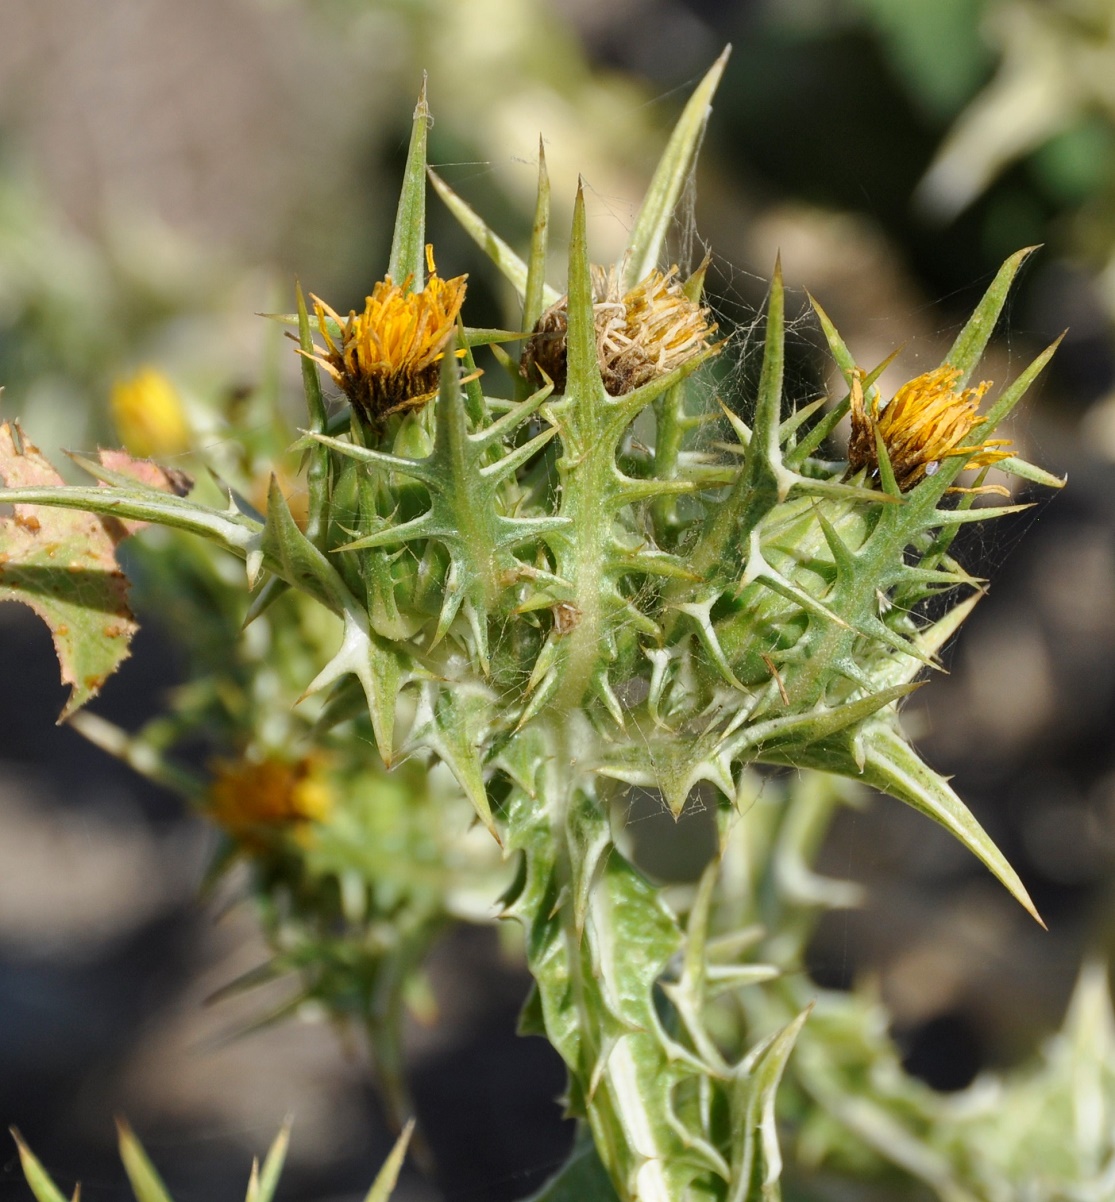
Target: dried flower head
149, 416
387, 359
640, 335
251, 799
926, 421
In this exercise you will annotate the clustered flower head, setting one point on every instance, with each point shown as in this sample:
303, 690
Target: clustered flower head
251, 799
149, 416
640, 335
387, 359
926, 421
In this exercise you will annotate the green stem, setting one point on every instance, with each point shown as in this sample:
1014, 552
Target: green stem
670, 429
598, 938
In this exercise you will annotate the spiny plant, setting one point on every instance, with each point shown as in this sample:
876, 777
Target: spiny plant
571, 589
147, 1185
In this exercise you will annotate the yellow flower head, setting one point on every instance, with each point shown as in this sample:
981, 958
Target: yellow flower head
254, 799
640, 335
149, 416
388, 359
925, 422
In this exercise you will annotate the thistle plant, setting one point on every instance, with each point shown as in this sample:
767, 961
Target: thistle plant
595, 576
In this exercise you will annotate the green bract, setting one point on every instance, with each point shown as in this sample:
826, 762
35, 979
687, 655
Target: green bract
555, 607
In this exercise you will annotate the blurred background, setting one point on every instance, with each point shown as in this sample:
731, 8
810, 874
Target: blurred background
166, 170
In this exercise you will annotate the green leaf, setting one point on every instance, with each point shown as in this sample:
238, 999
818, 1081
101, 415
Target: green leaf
1028, 471
838, 348
763, 480
1014, 393
972, 340
533, 300
764, 453
583, 381
778, 740
315, 402
926, 644
317, 469
892, 765
757, 1159
230, 528
453, 723
473, 336
384, 1184
296, 559
378, 666
670, 177
408, 242
37, 1177
146, 1183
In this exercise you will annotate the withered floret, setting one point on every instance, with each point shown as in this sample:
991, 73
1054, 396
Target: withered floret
640, 335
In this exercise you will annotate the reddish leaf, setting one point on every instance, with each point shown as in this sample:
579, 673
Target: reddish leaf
62, 563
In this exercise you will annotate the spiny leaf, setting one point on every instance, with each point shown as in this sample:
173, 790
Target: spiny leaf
892, 765
263, 1184
780, 739
763, 480
300, 563
596, 978
972, 340
1028, 471
670, 177
37, 1177
409, 238
232, 530
758, 1159
838, 348
1014, 393
384, 1185
378, 666
533, 300
315, 401
584, 381
451, 723
145, 1181
317, 470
